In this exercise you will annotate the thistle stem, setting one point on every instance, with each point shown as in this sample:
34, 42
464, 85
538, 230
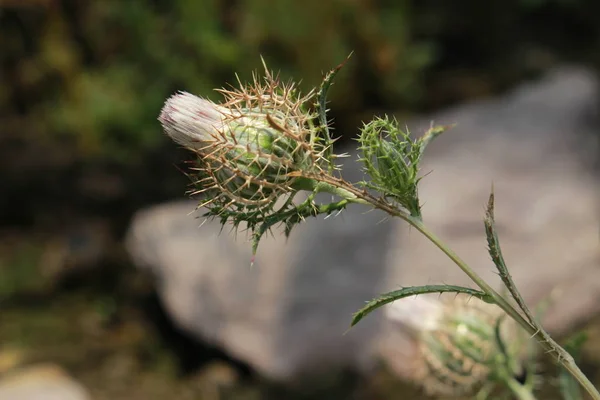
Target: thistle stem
498, 299
316, 186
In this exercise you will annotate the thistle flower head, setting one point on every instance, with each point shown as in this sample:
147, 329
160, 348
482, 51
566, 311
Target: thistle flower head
258, 149
252, 149
464, 343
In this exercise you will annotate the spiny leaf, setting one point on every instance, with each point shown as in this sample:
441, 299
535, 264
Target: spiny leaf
321, 106
498, 259
389, 297
496, 254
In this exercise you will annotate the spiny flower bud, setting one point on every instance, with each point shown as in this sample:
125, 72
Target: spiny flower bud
252, 149
391, 159
459, 343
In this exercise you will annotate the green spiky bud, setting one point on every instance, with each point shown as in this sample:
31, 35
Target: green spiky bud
464, 343
252, 149
391, 159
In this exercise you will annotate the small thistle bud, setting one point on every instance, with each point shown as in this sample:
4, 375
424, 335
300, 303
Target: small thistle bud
391, 159
464, 343
252, 149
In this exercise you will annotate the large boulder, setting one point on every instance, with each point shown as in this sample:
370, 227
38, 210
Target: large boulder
288, 313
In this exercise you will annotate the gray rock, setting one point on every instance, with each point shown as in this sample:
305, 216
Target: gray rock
288, 313
41, 382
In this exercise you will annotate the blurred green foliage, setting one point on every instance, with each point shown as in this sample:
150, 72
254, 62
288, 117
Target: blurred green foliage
19, 269
88, 79
101, 70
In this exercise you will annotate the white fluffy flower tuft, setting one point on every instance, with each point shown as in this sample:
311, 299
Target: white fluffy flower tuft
192, 121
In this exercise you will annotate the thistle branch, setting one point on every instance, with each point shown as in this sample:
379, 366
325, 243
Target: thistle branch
547, 343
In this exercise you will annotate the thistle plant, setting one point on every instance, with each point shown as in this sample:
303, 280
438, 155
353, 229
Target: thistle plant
266, 143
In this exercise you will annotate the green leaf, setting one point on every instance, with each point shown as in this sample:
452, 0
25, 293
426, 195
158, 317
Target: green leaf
389, 297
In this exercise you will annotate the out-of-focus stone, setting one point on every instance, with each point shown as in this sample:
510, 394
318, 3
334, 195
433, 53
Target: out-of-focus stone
288, 313
41, 382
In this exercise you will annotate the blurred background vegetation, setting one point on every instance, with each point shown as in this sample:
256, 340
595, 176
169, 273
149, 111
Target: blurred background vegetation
83, 81
81, 86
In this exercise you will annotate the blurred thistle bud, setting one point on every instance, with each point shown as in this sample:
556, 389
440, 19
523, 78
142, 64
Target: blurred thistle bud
464, 343
252, 149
